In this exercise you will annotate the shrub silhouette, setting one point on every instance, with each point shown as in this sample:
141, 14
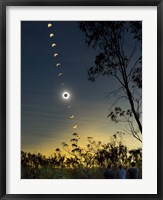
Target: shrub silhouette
89, 162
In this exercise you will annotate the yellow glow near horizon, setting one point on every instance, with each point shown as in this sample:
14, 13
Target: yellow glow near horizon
48, 147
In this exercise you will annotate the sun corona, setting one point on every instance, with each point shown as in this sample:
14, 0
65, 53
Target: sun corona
65, 95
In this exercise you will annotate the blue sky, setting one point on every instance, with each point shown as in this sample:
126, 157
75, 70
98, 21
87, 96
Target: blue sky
45, 114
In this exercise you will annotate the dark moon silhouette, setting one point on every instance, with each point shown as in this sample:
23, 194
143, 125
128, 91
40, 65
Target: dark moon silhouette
65, 95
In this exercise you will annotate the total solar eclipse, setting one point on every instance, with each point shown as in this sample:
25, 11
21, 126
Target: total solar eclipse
66, 95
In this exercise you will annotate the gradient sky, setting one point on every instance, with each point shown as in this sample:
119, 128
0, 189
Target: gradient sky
45, 114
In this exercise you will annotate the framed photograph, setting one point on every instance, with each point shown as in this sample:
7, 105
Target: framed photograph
81, 99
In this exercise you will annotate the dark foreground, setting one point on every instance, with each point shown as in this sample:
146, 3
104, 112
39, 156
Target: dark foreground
63, 173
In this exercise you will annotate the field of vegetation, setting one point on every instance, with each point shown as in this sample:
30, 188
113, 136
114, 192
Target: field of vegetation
78, 162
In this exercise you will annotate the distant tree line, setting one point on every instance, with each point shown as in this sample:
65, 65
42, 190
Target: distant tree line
94, 157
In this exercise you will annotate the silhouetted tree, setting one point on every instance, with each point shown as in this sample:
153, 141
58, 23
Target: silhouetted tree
120, 46
88, 161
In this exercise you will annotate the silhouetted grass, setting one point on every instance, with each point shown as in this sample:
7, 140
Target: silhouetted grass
80, 163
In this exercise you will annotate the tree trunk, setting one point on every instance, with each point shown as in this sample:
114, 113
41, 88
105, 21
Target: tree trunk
133, 108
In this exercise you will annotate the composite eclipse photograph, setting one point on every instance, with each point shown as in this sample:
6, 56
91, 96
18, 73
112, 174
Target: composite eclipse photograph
81, 99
